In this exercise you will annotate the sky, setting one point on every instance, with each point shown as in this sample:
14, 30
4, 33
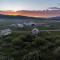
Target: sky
28, 4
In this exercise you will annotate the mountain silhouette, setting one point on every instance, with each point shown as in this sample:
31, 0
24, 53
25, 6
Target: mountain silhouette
55, 18
18, 17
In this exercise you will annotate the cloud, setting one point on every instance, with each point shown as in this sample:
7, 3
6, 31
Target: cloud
55, 11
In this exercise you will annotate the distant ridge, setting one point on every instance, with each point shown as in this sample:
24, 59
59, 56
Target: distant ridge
26, 17
55, 18
18, 17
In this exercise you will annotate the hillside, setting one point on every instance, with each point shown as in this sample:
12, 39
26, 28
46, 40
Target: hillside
25, 46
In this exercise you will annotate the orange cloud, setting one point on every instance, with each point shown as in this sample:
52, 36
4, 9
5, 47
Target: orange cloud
45, 13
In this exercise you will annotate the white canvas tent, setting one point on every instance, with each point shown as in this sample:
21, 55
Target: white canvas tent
35, 31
